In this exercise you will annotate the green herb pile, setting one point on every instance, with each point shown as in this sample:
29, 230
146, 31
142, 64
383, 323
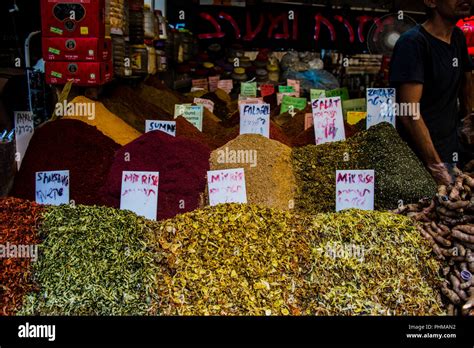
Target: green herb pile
93, 261
399, 175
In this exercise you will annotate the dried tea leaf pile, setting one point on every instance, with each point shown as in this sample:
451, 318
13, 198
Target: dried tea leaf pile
247, 260
399, 175
94, 261
370, 263
268, 169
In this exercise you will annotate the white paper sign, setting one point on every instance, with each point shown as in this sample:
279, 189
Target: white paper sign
192, 113
168, 127
24, 129
380, 106
281, 95
52, 188
226, 85
296, 84
208, 104
140, 193
227, 186
255, 119
328, 120
355, 189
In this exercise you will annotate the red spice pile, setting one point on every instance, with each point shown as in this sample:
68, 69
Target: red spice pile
182, 164
67, 145
18, 227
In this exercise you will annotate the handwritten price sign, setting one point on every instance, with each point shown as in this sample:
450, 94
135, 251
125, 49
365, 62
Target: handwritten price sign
355, 189
52, 187
140, 193
227, 186
328, 120
380, 106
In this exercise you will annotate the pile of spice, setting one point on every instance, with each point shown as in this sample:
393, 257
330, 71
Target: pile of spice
370, 263
447, 223
230, 260
126, 103
163, 97
400, 176
221, 108
315, 170
182, 164
268, 169
248, 260
67, 145
105, 121
94, 261
19, 222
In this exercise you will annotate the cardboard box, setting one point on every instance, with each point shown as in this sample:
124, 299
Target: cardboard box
81, 49
82, 73
73, 18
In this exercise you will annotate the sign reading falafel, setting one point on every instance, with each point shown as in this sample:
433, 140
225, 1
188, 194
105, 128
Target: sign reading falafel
255, 119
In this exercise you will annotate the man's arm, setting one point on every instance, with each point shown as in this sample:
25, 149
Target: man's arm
466, 108
465, 95
419, 133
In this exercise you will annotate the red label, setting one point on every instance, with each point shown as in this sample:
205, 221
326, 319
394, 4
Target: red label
266, 90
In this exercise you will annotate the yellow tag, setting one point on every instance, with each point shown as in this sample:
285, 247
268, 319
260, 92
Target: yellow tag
84, 30
354, 117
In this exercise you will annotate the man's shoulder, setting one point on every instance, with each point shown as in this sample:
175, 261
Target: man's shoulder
414, 35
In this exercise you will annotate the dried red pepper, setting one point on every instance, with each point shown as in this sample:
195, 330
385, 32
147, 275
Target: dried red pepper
19, 222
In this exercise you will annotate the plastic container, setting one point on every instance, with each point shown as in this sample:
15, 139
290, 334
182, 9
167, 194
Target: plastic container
151, 60
139, 60
262, 75
239, 75
162, 25
118, 53
136, 22
161, 58
150, 24
245, 62
136, 5
273, 73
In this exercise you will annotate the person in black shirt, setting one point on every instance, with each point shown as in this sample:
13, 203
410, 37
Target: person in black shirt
431, 66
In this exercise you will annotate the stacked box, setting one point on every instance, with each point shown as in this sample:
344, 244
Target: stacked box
75, 45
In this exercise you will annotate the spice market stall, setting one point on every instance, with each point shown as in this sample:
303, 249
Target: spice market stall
252, 168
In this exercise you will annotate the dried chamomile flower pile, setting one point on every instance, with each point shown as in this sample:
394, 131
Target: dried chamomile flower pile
248, 260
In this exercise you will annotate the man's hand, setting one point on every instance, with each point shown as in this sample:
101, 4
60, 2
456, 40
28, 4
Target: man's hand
467, 131
440, 173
